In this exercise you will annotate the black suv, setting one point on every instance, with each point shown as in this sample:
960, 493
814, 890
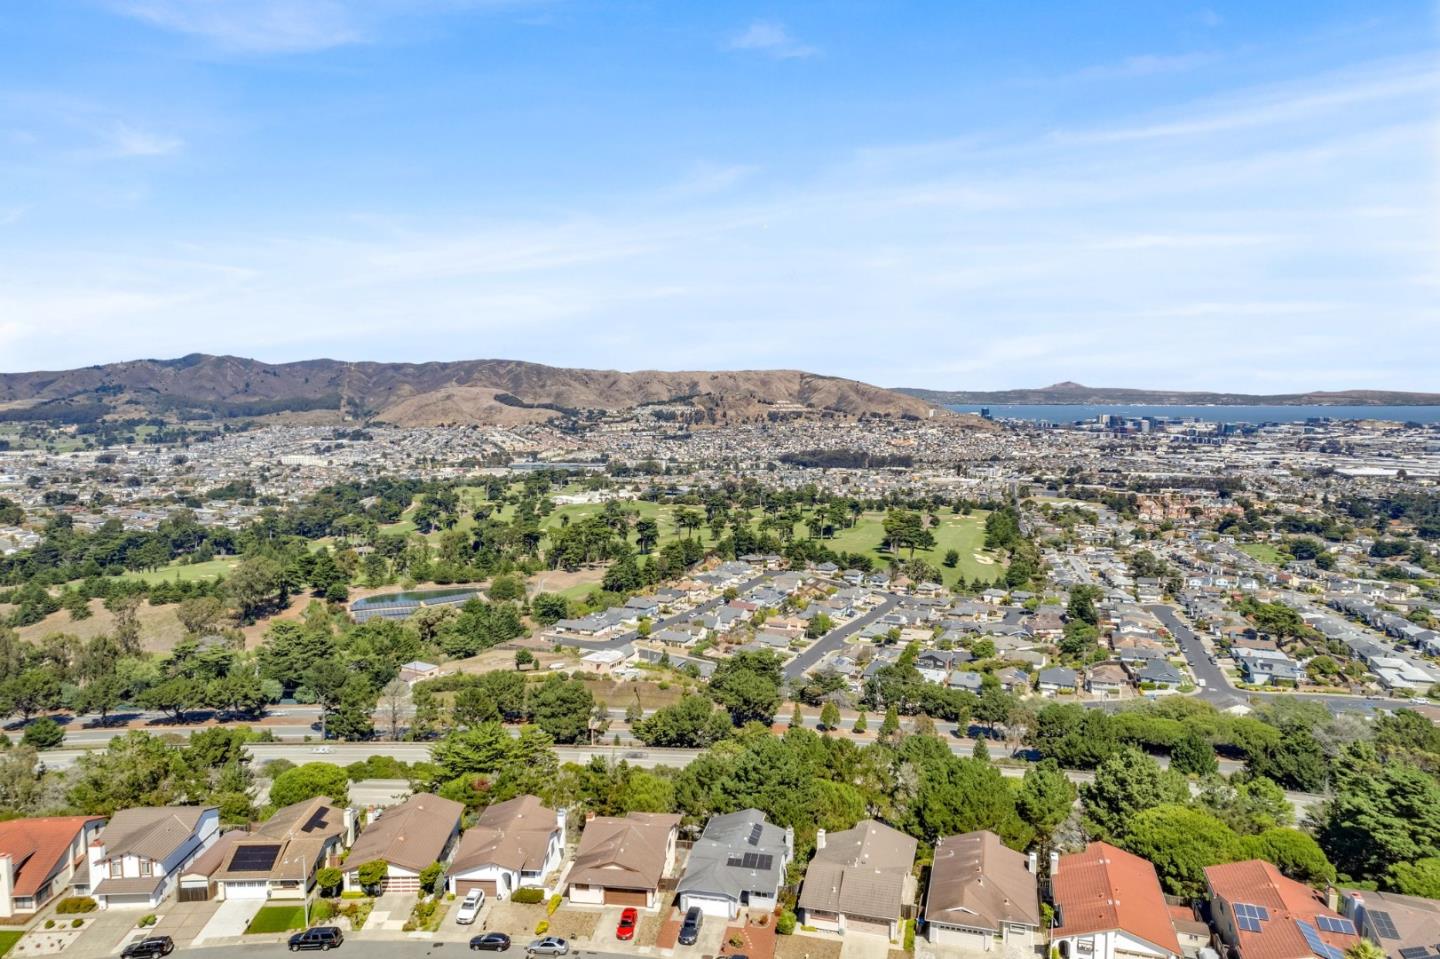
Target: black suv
151, 947
321, 937
690, 928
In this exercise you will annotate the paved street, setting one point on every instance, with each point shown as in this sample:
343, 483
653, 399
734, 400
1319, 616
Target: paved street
358, 948
835, 639
615, 642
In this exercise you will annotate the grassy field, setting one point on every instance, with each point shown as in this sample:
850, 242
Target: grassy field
186, 572
8, 938
274, 919
1265, 553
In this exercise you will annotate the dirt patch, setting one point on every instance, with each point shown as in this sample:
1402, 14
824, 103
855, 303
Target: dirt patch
520, 920
807, 947
620, 694
559, 580
159, 629
756, 941
647, 930
500, 658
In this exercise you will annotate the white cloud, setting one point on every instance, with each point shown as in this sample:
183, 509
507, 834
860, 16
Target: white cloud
252, 26
124, 140
1149, 65
772, 39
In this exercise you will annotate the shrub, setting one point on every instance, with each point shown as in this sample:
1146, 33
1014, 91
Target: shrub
329, 878
909, 935
736, 941
542, 927
148, 920
76, 923
73, 904
785, 925
49, 923
528, 895
553, 904
322, 910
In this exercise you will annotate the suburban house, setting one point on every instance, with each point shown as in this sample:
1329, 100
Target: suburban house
859, 880
514, 843
738, 862
1108, 679
407, 837
1057, 679
1261, 666
982, 896
138, 857
1108, 904
603, 662
621, 860
277, 860
38, 857
1262, 914
1403, 926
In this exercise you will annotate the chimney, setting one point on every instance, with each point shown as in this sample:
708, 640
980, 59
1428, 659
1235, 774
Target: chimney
1054, 862
1032, 862
349, 820
95, 855
1332, 898
819, 839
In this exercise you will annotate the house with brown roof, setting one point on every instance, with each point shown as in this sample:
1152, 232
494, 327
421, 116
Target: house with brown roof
1406, 927
621, 860
1108, 903
276, 860
407, 838
38, 858
515, 843
859, 880
1263, 914
982, 895
138, 857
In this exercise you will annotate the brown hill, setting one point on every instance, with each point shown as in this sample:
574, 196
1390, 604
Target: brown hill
426, 394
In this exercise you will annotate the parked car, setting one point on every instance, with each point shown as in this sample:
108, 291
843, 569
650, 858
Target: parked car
491, 942
470, 907
321, 937
150, 947
549, 946
626, 928
323, 750
690, 928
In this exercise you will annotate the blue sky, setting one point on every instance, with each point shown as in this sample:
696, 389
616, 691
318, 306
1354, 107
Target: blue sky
957, 194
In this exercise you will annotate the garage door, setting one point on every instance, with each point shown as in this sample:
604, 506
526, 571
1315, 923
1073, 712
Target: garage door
626, 897
401, 884
868, 926
462, 886
247, 889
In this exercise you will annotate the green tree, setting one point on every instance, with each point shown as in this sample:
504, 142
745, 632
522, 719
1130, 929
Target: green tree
1418, 878
748, 686
692, 723
43, 733
562, 708
371, 874
1382, 813
1126, 785
329, 879
1045, 799
1181, 842
830, 715
308, 781
1294, 853
1194, 756
958, 795
861, 724
136, 769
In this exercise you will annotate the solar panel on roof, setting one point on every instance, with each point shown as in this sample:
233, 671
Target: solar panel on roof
1384, 926
1414, 952
1317, 945
254, 858
755, 830
1332, 924
1247, 923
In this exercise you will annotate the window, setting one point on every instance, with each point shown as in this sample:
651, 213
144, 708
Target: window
147, 868
117, 869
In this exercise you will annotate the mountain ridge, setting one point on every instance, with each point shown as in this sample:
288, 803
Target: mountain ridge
463, 392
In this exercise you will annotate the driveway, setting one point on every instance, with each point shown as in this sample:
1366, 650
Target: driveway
228, 920
183, 921
104, 933
392, 911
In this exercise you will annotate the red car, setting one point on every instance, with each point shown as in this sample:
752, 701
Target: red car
626, 929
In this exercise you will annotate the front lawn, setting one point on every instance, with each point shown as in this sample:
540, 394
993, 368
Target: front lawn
274, 919
8, 938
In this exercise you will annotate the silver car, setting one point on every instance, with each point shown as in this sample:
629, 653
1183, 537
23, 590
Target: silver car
549, 946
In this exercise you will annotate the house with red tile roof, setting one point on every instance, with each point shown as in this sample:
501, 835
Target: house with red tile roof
1262, 914
1108, 903
39, 858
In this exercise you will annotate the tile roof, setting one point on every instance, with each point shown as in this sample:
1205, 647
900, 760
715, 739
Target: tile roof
37, 847
412, 834
1105, 888
624, 852
1289, 903
514, 834
977, 882
301, 831
860, 872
